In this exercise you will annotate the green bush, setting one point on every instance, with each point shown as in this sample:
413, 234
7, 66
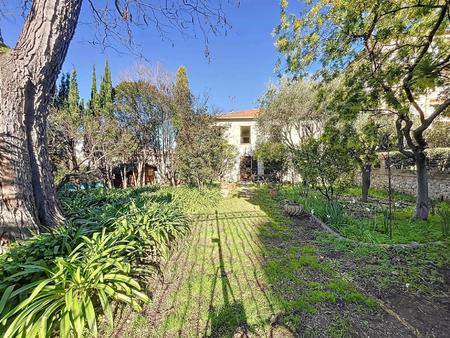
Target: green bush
444, 213
58, 283
325, 166
64, 296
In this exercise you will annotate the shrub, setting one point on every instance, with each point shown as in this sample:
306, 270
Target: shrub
325, 166
58, 283
152, 227
444, 212
95, 272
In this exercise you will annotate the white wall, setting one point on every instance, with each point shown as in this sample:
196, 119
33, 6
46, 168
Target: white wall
233, 135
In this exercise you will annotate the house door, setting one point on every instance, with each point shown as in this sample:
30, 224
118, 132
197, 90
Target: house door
248, 168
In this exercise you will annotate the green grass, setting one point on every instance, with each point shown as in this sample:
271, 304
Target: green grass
417, 270
220, 291
373, 192
233, 275
405, 229
339, 328
371, 226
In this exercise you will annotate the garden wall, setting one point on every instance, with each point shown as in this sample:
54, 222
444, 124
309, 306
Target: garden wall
405, 181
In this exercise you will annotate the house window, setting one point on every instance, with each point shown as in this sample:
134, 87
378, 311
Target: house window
245, 135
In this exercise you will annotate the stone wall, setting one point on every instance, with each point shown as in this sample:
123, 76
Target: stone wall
405, 181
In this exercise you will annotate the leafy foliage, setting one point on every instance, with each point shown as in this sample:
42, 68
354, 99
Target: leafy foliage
208, 156
96, 271
202, 154
325, 164
145, 107
65, 122
389, 55
59, 282
289, 112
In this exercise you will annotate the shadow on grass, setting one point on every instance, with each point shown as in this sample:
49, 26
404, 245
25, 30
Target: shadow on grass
217, 285
230, 318
313, 292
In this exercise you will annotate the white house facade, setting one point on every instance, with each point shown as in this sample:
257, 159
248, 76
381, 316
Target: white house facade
242, 133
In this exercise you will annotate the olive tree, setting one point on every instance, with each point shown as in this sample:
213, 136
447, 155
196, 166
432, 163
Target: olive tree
289, 112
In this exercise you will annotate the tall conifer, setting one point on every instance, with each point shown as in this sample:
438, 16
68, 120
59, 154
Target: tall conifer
183, 99
73, 97
106, 92
93, 101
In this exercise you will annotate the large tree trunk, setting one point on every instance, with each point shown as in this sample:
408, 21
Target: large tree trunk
27, 77
422, 203
365, 181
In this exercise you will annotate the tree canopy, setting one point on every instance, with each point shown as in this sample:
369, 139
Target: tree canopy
389, 53
289, 112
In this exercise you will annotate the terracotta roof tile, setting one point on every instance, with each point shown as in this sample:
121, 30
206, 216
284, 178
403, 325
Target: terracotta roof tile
243, 114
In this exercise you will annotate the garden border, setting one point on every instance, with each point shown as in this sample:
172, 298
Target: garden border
395, 246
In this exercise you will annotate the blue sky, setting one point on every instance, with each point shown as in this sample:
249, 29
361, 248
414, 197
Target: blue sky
241, 62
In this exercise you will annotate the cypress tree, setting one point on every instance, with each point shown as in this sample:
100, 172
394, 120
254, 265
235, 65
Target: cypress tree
106, 92
73, 97
182, 92
93, 101
60, 97
186, 157
183, 99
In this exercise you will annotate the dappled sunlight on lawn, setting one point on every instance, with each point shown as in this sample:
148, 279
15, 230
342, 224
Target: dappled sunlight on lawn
245, 271
223, 289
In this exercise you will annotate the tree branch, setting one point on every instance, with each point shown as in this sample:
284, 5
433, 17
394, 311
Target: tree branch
419, 5
427, 122
411, 100
427, 44
400, 139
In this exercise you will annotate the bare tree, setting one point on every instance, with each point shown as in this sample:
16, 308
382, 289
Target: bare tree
144, 103
28, 73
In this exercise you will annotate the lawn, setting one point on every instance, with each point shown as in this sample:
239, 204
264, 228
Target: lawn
225, 267
245, 269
